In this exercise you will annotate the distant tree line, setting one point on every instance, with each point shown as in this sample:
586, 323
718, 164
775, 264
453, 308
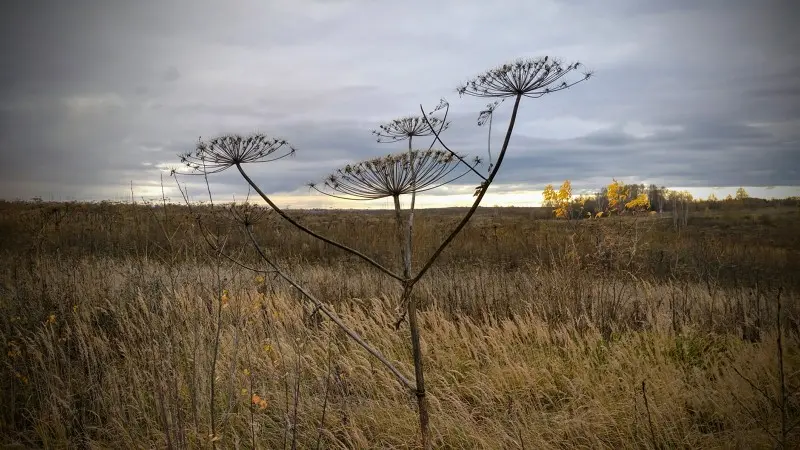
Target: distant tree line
618, 198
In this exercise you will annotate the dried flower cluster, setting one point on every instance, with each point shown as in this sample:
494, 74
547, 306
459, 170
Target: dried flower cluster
531, 78
226, 151
408, 128
392, 175
247, 213
485, 116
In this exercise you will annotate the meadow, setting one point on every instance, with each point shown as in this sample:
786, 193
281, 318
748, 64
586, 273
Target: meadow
625, 332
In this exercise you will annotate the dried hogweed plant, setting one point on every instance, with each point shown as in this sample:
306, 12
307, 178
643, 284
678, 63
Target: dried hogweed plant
403, 174
395, 175
532, 78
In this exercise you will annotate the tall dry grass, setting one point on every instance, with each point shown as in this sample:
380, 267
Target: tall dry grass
550, 350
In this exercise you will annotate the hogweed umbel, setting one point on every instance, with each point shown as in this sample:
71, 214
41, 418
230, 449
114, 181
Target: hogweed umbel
393, 175
407, 128
247, 213
223, 152
532, 78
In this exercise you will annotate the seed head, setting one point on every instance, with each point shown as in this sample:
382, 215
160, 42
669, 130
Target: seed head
407, 128
247, 213
223, 152
531, 78
486, 114
393, 175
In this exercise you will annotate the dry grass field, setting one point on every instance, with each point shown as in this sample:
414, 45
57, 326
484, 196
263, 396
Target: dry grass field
537, 333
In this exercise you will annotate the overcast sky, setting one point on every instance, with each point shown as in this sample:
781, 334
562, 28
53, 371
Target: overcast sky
95, 95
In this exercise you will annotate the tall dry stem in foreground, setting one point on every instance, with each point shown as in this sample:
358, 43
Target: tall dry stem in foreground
394, 176
532, 78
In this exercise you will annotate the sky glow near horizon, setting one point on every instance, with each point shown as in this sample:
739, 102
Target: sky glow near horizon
303, 199
690, 95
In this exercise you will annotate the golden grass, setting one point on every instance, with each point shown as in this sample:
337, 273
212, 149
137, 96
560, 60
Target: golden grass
126, 363
115, 351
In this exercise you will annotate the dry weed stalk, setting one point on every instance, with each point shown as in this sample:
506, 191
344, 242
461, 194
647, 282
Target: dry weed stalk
532, 78
392, 176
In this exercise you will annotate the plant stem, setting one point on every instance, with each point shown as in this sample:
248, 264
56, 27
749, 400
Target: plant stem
410, 225
402, 237
325, 398
300, 226
484, 188
419, 372
439, 139
649, 419
407, 299
784, 403
324, 310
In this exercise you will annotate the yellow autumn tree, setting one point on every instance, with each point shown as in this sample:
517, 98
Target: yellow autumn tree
563, 200
640, 203
549, 195
617, 195
741, 194
712, 197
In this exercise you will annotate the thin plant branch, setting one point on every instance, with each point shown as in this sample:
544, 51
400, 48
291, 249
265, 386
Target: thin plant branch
444, 104
530, 78
303, 228
331, 315
487, 116
649, 418
321, 426
205, 234
484, 187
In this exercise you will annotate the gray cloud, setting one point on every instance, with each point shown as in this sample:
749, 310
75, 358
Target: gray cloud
100, 94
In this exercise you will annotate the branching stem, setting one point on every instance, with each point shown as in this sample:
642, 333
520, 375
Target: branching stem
300, 226
484, 188
331, 315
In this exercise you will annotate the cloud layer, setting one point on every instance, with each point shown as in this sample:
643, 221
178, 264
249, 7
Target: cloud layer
99, 94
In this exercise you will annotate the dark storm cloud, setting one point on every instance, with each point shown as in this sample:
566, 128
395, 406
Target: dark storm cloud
100, 94
721, 156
